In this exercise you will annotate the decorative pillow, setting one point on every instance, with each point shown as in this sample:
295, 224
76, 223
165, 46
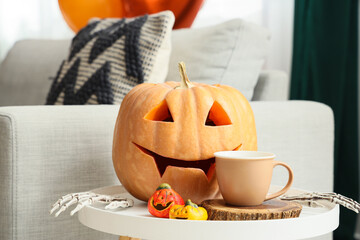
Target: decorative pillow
109, 57
231, 53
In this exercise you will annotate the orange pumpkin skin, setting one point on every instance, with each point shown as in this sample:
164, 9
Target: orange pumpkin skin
162, 200
141, 138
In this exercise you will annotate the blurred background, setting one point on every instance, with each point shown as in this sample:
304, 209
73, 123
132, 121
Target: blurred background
21, 19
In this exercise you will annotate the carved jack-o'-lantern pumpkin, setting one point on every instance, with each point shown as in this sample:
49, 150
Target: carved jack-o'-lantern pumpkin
169, 132
162, 200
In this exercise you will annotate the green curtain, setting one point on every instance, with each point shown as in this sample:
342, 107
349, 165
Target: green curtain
325, 69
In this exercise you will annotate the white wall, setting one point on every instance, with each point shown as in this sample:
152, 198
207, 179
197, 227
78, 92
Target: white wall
278, 17
30, 19
217, 11
275, 15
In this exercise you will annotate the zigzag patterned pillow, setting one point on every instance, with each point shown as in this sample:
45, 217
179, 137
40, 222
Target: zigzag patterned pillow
109, 57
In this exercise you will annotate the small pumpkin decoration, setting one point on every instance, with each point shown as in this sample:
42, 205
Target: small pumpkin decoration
189, 211
162, 200
168, 132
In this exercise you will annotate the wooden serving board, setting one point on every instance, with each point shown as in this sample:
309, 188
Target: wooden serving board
273, 209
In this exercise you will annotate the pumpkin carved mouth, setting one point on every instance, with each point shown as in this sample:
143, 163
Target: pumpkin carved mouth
206, 165
160, 207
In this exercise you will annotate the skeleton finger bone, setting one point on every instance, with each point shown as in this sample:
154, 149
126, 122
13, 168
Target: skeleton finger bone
324, 199
122, 203
60, 202
80, 206
67, 205
70, 197
87, 198
85, 202
62, 209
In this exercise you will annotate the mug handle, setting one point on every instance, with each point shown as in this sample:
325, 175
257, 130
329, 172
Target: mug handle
288, 185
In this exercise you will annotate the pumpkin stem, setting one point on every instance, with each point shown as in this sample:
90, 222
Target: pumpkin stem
163, 186
190, 203
185, 82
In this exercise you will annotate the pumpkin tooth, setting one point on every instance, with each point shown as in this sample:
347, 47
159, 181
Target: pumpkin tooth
238, 147
206, 165
210, 172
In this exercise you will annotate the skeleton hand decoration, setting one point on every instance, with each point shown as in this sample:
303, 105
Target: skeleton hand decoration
87, 198
316, 199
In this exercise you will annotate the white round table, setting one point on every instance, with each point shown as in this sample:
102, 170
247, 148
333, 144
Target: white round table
137, 222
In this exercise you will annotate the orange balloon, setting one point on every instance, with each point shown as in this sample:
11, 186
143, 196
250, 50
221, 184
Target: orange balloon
185, 11
78, 12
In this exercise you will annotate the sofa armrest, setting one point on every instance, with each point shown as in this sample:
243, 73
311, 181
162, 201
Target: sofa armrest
300, 133
272, 85
45, 153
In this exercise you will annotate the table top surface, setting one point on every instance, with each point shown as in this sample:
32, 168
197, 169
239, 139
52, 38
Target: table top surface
137, 222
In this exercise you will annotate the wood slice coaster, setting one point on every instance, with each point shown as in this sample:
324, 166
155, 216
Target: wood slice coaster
272, 209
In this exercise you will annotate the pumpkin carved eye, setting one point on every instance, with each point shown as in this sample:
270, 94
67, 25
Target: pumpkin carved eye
160, 113
217, 116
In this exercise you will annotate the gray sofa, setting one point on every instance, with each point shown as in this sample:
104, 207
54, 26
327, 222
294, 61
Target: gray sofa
49, 151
